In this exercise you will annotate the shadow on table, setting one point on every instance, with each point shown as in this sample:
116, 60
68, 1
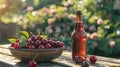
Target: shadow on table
97, 65
61, 64
47, 64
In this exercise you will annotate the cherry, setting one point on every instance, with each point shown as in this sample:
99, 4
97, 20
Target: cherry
29, 41
32, 63
18, 41
41, 47
52, 42
37, 42
33, 37
85, 64
16, 45
61, 44
58, 42
32, 42
48, 46
55, 44
39, 37
12, 44
93, 59
31, 47
44, 41
77, 59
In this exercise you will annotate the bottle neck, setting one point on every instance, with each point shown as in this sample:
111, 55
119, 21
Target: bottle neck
79, 26
78, 21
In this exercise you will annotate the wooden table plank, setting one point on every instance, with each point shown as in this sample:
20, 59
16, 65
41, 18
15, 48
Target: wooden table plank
63, 61
102, 61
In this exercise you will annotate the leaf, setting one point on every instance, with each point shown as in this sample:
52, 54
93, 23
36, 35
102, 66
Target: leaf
23, 40
44, 36
12, 40
25, 33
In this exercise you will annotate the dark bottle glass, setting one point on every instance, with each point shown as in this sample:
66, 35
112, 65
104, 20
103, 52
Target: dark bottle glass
79, 39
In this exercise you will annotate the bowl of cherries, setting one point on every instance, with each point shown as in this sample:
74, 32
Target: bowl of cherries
40, 47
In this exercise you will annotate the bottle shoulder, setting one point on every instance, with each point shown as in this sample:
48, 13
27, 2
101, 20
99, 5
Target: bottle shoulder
79, 34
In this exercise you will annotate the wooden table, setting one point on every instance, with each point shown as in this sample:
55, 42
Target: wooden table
7, 60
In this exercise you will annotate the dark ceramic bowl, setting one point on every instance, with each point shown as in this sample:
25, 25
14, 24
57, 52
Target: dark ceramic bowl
40, 55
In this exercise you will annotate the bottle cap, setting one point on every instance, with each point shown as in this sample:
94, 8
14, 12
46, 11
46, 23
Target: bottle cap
78, 17
79, 12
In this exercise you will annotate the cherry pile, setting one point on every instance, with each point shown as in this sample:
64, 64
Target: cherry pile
37, 42
85, 63
16, 44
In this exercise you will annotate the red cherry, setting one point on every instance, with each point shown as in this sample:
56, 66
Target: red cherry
44, 41
52, 42
48, 46
39, 37
32, 42
41, 47
61, 44
16, 45
55, 44
58, 42
32, 63
37, 42
33, 37
29, 41
31, 47
77, 59
18, 41
93, 59
12, 44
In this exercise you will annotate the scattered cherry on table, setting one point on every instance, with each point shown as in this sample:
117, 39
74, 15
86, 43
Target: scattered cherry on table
93, 59
32, 63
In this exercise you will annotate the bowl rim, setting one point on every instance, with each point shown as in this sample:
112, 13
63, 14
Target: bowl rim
35, 49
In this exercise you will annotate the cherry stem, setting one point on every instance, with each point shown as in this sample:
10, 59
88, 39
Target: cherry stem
35, 56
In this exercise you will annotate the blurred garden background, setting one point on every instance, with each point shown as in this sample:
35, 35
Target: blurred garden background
56, 18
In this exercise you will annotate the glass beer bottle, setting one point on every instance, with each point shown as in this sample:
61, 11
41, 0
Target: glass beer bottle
79, 39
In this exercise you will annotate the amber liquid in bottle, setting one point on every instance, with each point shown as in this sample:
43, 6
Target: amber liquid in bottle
79, 38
